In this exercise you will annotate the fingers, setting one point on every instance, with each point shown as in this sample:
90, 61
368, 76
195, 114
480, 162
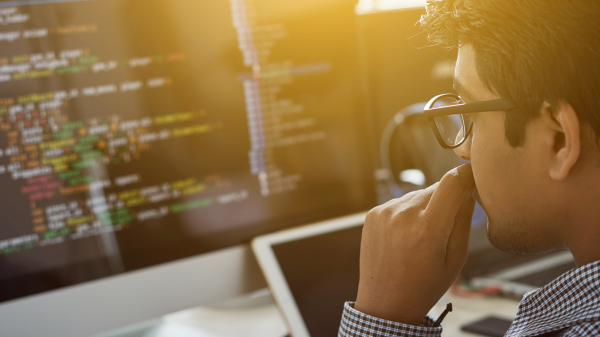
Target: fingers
458, 242
416, 200
447, 199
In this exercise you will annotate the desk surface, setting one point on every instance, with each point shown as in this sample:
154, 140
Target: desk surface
259, 317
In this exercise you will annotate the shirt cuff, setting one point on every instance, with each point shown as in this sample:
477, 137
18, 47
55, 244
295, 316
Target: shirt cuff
357, 324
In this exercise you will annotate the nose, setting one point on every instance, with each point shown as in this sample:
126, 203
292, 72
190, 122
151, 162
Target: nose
464, 151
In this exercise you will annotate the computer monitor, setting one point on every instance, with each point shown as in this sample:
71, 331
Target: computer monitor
144, 142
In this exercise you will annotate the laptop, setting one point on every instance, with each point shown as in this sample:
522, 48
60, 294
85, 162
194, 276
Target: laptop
311, 271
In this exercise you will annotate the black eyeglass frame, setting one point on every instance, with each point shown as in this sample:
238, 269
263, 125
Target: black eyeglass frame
460, 109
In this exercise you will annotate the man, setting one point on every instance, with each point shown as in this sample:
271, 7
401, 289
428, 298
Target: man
535, 169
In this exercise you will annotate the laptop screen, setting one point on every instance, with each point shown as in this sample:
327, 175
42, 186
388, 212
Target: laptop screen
322, 273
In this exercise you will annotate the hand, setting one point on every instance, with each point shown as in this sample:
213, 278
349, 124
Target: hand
414, 247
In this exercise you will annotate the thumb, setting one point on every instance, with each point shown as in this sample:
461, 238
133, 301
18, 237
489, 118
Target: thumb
447, 198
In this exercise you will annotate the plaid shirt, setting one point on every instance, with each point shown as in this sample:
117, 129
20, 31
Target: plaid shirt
569, 306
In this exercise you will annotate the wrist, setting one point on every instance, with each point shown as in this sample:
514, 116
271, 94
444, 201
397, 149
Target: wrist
392, 309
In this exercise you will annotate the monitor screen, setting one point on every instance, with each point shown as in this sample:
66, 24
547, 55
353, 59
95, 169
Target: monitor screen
139, 132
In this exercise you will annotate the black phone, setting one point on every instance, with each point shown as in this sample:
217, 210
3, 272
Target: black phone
489, 326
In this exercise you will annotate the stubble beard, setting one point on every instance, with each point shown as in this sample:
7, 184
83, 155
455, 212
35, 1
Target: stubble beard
511, 237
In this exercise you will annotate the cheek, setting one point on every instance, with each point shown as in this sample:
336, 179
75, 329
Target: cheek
513, 183
497, 174
490, 177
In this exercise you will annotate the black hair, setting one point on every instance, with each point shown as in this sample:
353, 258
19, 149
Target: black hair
527, 49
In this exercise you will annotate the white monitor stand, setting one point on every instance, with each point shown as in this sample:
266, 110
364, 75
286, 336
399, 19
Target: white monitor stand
107, 304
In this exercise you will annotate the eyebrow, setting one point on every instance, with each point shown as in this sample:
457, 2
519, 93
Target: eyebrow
462, 91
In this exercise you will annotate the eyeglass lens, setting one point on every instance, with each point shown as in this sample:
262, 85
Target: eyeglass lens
452, 128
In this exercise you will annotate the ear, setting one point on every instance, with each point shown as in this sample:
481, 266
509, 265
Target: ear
566, 140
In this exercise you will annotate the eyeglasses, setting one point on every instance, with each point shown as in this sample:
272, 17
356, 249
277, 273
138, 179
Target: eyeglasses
449, 117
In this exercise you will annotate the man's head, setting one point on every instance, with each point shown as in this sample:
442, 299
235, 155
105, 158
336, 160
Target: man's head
537, 167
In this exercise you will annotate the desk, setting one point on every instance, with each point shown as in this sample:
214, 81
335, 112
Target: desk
469, 310
256, 315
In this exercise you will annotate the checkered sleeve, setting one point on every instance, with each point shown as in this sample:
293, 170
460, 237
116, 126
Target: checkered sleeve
585, 329
356, 324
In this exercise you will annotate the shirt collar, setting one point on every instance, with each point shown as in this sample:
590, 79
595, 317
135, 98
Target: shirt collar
571, 299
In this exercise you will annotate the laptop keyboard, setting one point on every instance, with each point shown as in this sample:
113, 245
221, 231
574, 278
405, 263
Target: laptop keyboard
545, 276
